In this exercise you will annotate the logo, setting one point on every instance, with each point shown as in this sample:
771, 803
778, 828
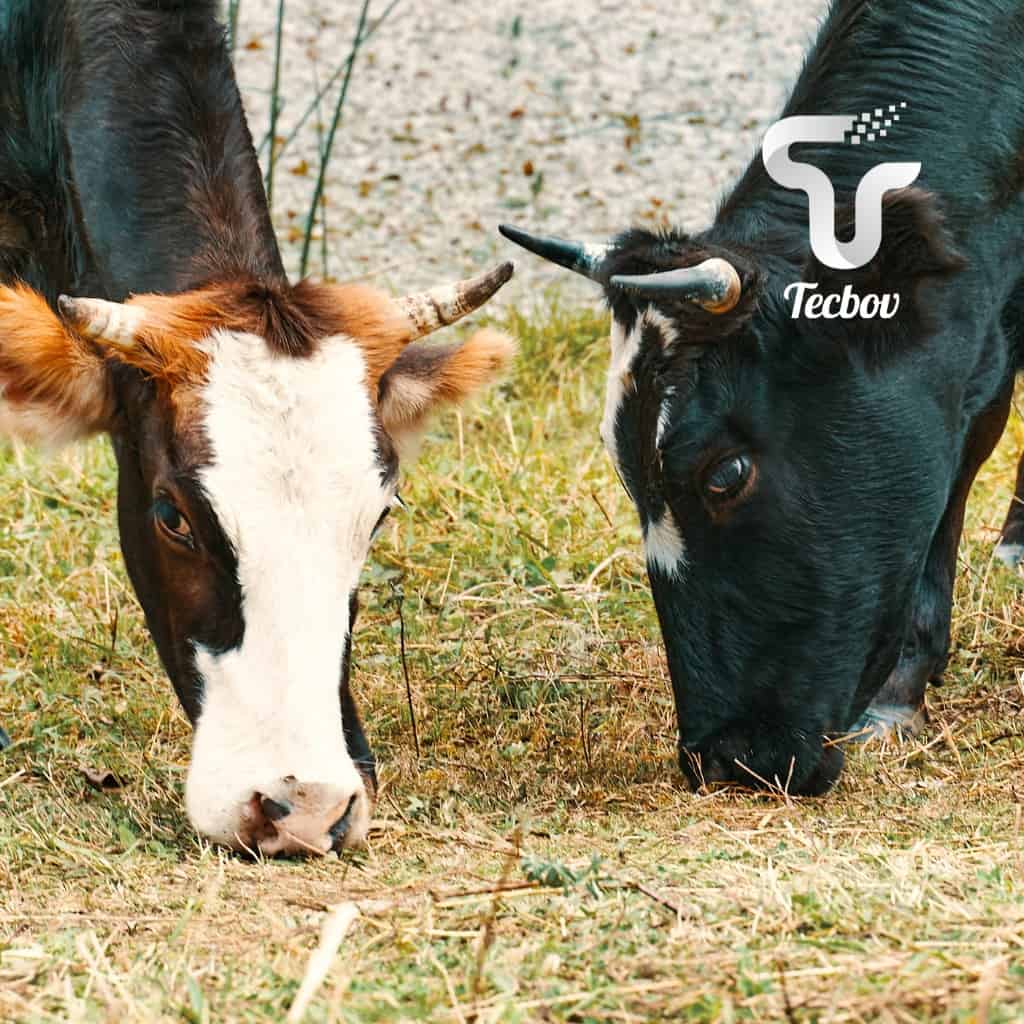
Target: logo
853, 130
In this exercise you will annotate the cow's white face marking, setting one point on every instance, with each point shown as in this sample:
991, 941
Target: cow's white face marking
664, 416
296, 484
663, 542
625, 349
663, 545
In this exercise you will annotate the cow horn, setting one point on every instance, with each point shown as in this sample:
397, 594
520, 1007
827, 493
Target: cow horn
713, 285
430, 311
583, 258
112, 323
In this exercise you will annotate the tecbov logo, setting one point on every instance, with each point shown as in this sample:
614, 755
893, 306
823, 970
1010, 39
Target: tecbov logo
853, 130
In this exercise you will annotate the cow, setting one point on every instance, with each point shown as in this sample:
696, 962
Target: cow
1010, 549
257, 424
801, 479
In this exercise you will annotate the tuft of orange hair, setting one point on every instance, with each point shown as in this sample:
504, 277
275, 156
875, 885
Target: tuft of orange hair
46, 365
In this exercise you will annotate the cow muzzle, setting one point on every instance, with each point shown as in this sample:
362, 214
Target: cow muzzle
790, 762
288, 815
294, 818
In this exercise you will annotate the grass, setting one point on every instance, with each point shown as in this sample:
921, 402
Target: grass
540, 860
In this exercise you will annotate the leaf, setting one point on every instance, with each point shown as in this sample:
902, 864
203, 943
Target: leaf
101, 779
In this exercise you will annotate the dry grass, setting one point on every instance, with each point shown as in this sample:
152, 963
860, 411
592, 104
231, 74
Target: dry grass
540, 860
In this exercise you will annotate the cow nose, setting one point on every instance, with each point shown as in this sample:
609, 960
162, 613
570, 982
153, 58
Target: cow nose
798, 768
275, 810
340, 828
294, 818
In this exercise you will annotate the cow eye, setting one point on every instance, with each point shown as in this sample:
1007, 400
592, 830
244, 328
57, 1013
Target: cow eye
729, 478
171, 522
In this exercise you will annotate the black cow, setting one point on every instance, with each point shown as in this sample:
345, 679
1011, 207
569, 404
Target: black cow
256, 423
1010, 549
801, 481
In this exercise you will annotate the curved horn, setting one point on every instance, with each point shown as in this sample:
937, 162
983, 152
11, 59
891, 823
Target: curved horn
581, 257
110, 322
430, 311
713, 285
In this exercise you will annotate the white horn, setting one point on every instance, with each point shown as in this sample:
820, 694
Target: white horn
439, 307
110, 322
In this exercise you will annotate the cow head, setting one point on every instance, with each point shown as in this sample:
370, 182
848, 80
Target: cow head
789, 476
258, 430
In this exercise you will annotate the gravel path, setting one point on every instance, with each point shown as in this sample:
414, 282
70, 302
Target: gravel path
576, 117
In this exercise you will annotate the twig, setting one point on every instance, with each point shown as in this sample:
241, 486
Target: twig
275, 104
332, 934
790, 1012
321, 93
487, 929
597, 501
662, 901
320, 152
503, 888
321, 178
399, 601
233, 6
584, 738
456, 1009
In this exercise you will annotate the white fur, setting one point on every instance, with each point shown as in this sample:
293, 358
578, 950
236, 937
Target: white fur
45, 426
295, 483
663, 545
663, 542
625, 349
664, 414
36, 425
652, 318
1010, 554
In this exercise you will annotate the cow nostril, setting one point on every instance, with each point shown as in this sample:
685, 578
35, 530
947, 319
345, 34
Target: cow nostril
275, 810
339, 829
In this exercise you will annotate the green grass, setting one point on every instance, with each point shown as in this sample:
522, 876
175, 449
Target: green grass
541, 860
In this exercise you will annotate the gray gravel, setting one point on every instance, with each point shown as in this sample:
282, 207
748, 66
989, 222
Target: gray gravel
576, 118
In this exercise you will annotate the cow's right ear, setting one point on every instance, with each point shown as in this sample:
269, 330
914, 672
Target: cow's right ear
425, 377
916, 248
55, 385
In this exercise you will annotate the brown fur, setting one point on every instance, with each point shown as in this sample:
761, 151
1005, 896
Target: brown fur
426, 375
291, 320
43, 363
369, 317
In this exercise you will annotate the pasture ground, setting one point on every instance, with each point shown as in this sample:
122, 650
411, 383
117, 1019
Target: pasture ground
539, 860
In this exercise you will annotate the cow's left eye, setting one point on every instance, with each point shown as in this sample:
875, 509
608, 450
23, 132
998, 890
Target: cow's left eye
171, 521
729, 478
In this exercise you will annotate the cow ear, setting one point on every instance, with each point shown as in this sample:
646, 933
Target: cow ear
426, 376
55, 385
916, 247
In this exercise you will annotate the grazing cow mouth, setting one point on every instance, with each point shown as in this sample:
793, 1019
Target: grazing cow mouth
790, 762
304, 819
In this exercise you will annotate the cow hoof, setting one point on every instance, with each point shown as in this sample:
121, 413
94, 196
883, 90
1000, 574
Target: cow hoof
5, 740
1010, 554
890, 722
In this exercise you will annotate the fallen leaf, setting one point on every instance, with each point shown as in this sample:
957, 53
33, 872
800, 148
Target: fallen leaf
104, 781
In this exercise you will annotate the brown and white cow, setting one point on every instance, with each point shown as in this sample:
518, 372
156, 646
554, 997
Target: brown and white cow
257, 424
